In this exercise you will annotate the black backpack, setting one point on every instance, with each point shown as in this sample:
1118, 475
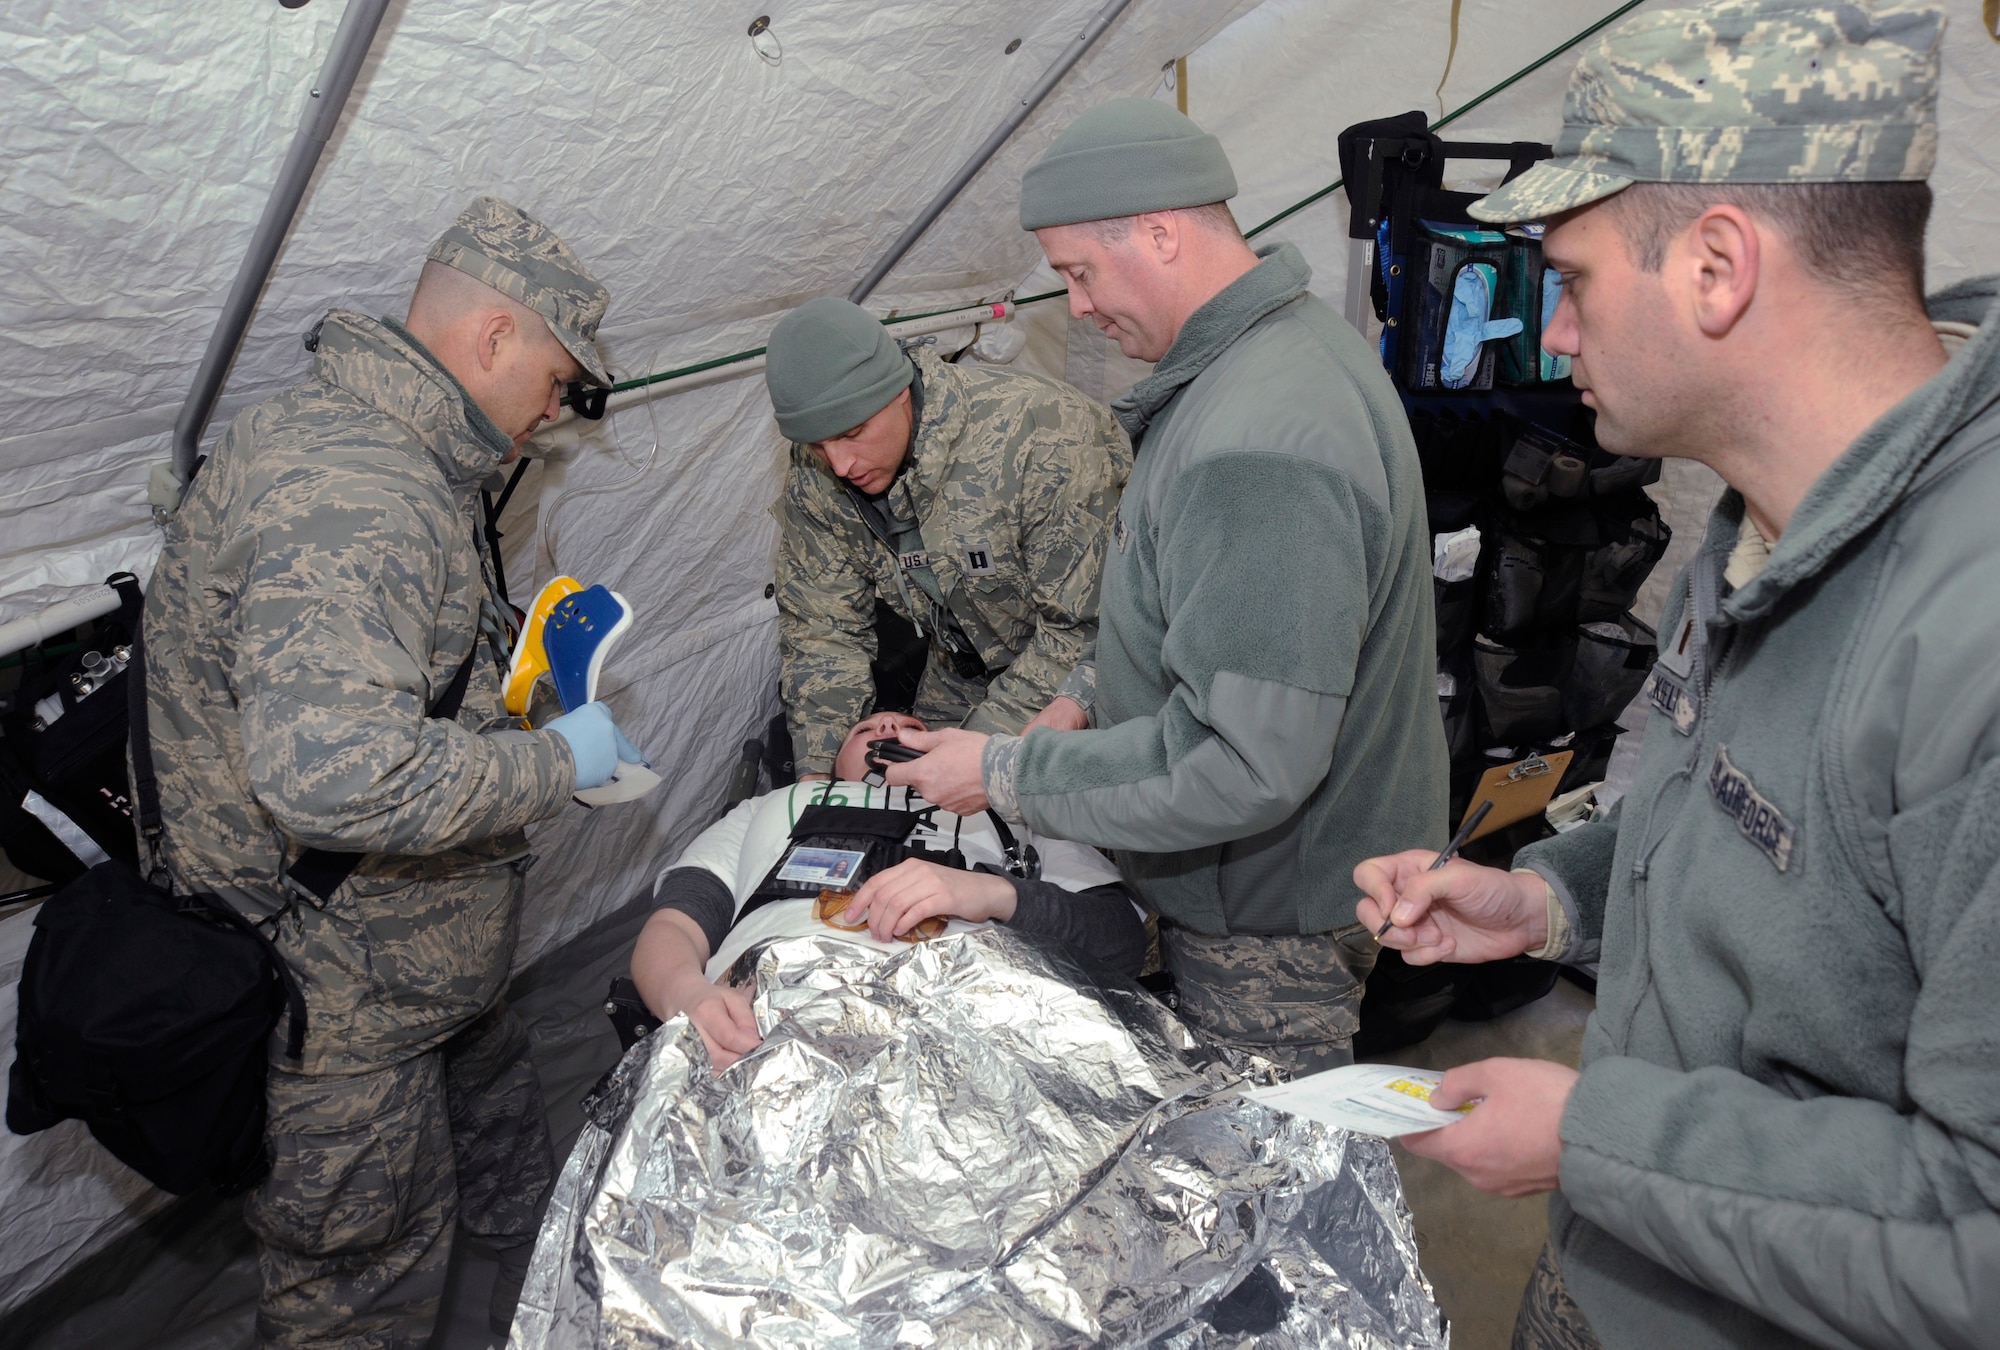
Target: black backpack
147, 1015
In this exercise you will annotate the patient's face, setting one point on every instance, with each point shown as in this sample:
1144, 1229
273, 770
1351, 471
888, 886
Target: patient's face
852, 761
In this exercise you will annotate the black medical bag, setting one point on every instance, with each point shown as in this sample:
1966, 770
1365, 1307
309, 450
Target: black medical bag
147, 1015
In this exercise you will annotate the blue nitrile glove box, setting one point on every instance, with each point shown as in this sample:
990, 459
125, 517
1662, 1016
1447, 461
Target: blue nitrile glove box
1443, 251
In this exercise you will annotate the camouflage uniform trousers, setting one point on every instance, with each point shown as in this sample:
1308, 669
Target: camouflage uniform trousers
372, 1172
1293, 998
1549, 1319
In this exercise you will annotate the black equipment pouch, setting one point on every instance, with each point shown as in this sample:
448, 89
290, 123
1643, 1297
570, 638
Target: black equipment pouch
148, 1015
1613, 658
62, 736
1541, 465
1521, 687
1457, 614
1531, 584
835, 848
1632, 539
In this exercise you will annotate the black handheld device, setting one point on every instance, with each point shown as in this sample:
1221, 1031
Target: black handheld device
889, 751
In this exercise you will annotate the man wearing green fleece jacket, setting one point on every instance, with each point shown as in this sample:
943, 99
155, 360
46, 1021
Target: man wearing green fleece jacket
1263, 689
1786, 1127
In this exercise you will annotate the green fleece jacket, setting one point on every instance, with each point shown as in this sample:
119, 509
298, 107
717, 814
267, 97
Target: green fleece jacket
1787, 1129
1266, 703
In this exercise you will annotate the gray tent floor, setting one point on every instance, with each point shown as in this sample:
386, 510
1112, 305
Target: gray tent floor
187, 1279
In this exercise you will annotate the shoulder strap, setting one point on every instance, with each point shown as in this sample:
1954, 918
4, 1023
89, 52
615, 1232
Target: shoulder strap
448, 702
321, 870
145, 784
146, 802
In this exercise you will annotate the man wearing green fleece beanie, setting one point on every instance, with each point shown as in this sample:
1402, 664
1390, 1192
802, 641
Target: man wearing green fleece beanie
973, 500
1263, 687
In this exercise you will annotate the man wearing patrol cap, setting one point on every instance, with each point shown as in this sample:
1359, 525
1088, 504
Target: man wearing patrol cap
972, 500
1266, 697
1783, 1131
320, 594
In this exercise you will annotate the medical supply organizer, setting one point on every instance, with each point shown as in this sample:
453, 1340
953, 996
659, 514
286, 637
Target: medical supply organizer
1538, 649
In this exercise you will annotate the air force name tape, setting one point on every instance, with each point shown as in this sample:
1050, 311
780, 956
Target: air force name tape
1762, 823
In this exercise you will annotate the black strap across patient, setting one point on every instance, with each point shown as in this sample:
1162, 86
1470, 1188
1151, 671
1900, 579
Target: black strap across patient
881, 835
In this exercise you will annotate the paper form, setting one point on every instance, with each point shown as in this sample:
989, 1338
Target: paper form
1370, 1098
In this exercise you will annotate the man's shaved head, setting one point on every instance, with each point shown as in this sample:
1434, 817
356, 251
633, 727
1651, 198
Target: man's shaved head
446, 296
500, 351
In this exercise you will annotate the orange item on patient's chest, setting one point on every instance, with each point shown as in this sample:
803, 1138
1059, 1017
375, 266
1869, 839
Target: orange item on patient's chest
832, 904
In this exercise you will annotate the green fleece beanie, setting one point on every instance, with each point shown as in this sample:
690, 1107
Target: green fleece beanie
830, 367
1120, 159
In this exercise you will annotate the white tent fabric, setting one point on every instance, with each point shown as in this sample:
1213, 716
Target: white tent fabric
711, 189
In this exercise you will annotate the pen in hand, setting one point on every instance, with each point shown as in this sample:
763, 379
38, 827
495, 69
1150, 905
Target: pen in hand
1451, 849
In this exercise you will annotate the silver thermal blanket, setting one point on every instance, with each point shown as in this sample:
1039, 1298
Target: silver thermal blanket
975, 1142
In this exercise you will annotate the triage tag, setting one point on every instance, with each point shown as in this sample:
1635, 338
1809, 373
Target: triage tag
628, 782
830, 868
1381, 1099
1421, 1089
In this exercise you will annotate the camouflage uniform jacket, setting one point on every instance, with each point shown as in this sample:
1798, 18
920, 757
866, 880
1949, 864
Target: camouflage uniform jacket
1012, 478
318, 590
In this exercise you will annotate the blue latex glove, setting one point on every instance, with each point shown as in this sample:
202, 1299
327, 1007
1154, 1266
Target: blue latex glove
1469, 328
596, 742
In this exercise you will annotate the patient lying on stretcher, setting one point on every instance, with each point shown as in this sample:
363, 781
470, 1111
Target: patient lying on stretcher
984, 1139
791, 864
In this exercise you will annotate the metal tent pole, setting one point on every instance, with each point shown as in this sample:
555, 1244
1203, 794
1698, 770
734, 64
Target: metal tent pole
324, 102
1029, 102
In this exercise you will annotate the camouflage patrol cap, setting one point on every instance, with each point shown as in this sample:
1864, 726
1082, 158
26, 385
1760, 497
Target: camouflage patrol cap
1741, 91
518, 256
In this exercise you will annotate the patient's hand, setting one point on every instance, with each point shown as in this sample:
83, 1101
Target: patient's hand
721, 1013
897, 900
667, 963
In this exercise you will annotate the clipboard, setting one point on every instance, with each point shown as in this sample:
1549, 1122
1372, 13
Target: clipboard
1518, 790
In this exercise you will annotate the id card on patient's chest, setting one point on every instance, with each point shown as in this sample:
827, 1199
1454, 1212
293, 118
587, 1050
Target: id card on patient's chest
831, 868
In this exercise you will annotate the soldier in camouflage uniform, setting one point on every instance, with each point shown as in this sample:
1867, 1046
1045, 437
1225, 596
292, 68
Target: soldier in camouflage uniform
982, 521
319, 589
